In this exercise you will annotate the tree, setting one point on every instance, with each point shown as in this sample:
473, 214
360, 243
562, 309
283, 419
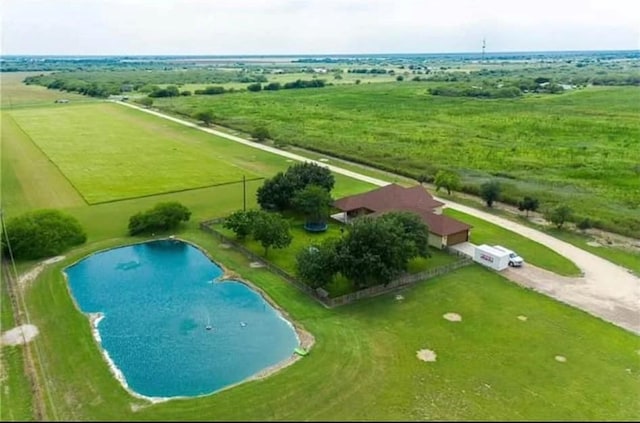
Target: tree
145, 101
448, 180
254, 87
372, 253
272, 231
585, 224
399, 78
316, 265
415, 232
162, 217
41, 233
423, 177
206, 116
276, 193
308, 173
528, 204
260, 133
241, 222
559, 215
314, 202
490, 192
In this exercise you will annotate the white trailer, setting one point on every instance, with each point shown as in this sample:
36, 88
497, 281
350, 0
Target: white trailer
491, 257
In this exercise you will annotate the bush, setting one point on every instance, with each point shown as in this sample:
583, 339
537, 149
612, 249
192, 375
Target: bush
42, 233
162, 217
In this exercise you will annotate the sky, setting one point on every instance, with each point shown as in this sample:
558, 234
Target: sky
281, 27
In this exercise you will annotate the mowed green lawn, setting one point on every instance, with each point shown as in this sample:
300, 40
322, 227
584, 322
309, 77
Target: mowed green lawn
489, 366
109, 152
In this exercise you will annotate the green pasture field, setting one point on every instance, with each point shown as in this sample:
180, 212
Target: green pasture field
490, 366
580, 148
531, 251
110, 153
15, 94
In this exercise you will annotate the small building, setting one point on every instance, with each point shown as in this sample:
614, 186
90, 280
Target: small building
444, 231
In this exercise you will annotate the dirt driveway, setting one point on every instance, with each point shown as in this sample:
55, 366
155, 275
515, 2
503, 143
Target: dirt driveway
600, 299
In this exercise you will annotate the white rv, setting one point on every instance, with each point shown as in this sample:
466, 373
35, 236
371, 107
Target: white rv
491, 257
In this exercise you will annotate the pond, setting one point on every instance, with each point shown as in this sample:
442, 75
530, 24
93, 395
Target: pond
169, 327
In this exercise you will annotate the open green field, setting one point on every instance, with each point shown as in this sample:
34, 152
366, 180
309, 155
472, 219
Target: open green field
14, 94
581, 148
110, 153
490, 366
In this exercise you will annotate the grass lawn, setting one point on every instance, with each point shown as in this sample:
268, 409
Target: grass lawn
15, 94
15, 395
109, 153
490, 366
531, 251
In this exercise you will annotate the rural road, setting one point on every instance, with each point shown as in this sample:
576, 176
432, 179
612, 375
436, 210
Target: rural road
605, 290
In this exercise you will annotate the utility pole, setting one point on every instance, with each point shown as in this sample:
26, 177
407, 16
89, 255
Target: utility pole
484, 44
244, 193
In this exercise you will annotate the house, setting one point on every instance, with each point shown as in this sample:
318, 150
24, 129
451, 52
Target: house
444, 231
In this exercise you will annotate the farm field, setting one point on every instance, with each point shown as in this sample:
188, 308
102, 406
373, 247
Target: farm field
581, 148
15, 94
490, 366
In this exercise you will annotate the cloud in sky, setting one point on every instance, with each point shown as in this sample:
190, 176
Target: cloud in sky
106, 27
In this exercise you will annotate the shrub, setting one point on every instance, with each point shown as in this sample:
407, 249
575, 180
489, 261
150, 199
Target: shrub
162, 217
41, 233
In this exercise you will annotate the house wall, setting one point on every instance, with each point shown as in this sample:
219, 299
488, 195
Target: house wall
436, 241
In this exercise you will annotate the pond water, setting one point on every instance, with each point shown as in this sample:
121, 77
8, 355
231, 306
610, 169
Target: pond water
169, 327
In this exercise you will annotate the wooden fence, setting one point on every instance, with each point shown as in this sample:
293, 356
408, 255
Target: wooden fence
319, 294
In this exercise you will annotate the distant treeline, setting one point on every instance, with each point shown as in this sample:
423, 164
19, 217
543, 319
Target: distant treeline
106, 83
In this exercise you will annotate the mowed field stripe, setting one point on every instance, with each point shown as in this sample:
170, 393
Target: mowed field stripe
108, 154
29, 179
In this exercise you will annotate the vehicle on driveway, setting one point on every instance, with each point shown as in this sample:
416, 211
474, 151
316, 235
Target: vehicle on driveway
514, 259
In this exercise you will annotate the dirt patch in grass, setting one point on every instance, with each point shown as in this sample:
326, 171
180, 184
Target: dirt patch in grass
19, 335
426, 355
452, 317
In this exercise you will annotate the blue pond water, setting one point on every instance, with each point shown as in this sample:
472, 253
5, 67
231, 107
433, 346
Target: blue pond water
158, 299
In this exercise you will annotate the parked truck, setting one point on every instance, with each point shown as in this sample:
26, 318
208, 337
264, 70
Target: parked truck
514, 259
491, 257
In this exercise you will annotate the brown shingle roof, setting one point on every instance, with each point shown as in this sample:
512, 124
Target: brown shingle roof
390, 196
397, 198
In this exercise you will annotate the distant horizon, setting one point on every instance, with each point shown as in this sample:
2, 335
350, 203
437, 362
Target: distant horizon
313, 27
329, 55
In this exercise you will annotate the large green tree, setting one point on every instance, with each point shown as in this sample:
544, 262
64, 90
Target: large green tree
372, 252
447, 179
314, 202
415, 232
276, 193
272, 231
41, 233
316, 265
162, 217
559, 215
490, 192
241, 222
